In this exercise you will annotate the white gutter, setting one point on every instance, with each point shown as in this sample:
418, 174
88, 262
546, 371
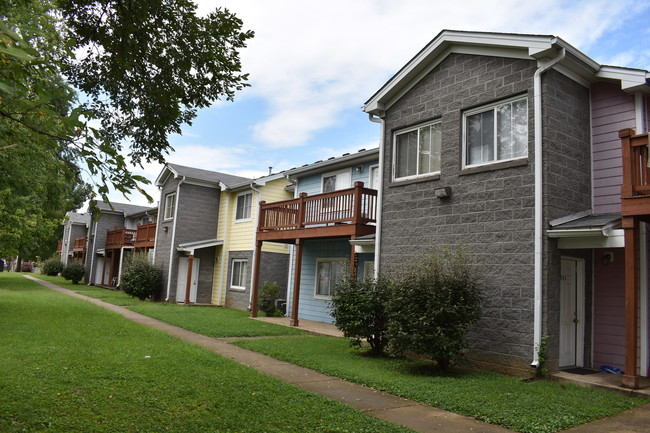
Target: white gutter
539, 203
171, 247
223, 249
380, 187
255, 222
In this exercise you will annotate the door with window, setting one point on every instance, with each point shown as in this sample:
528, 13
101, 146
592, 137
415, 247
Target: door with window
571, 312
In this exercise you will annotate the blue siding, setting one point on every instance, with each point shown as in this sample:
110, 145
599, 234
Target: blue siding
311, 184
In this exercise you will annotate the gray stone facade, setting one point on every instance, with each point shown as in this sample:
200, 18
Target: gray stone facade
196, 220
97, 239
274, 269
491, 208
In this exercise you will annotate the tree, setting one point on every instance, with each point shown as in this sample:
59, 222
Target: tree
143, 66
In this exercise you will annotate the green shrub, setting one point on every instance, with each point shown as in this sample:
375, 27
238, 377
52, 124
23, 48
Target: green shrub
268, 295
433, 306
359, 310
140, 278
74, 272
52, 267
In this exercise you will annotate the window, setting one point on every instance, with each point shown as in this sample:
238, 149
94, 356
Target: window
329, 272
417, 151
238, 274
244, 205
337, 180
496, 133
170, 205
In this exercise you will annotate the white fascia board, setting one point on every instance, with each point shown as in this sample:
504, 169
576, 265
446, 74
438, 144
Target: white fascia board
189, 247
519, 46
330, 164
631, 79
164, 175
615, 239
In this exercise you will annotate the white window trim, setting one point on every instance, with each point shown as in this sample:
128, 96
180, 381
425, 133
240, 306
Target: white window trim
322, 260
165, 217
232, 273
370, 184
483, 109
335, 173
404, 131
250, 218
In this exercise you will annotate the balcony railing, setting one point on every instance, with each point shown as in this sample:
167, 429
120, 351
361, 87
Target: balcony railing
118, 238
357, 205
59, 246
80, 244
145, 236
635, 191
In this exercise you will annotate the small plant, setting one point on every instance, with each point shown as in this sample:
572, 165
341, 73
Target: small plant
140, 278
542, 355
52, 267
433, 306
268, 295
359, 310
74, 272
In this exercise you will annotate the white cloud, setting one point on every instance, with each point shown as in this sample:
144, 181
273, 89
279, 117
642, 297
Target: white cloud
311, 60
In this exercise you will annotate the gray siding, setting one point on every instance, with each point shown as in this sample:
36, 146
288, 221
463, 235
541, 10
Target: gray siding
490, 211
237, 298
197, 219
97, 238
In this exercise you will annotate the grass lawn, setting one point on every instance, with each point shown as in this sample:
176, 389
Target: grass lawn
70, 366
211, 321
541, 406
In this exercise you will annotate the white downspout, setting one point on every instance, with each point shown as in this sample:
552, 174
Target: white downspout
539, 202
224, 248
171, 248
255, 221
67, 246
639, 107
380, 187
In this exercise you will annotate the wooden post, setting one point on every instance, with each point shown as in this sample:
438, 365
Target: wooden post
256, 277
358, 195
104, 265
188, 284
296, 283
110, 272
631, 227
301, 212
354, 261
627, 189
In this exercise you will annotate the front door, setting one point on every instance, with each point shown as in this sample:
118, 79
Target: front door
181, 284
571, 312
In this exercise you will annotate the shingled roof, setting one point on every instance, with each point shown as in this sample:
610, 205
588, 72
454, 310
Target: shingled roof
192, 173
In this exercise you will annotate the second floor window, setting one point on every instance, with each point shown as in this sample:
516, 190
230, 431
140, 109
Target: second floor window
496, 133
417, 151
244, 206
170, 206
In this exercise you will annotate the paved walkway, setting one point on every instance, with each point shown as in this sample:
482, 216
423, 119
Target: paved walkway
416, 416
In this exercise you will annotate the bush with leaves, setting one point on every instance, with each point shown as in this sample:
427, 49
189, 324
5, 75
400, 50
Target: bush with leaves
268, 295
52, 267
74, 272
435, 303
140, 278
359, 310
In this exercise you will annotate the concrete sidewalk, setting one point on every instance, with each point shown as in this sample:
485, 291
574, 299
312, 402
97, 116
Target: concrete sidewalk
416, 416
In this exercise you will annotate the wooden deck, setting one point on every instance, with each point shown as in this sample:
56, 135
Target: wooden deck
635, 192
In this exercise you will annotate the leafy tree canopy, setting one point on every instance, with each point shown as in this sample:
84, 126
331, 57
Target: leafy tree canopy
143, 68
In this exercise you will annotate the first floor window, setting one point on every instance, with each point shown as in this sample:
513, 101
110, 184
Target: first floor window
329, 272
170, 205
496, 133
238, 273
417, 151
244, 206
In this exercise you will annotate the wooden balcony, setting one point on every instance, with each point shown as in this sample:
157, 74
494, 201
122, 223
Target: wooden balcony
59, 246
119, 238
145, 236
340, 214
635, 192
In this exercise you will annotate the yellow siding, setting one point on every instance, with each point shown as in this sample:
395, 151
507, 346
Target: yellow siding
220, 270
272, 192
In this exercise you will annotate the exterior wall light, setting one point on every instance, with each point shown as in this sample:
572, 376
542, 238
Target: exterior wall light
443, 192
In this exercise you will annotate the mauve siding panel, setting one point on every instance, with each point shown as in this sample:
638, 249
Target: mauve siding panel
609, 310
612, 110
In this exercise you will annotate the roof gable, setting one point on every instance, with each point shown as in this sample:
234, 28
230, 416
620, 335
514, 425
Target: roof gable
208, 177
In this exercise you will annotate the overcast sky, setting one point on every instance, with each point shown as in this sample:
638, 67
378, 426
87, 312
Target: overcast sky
312, 65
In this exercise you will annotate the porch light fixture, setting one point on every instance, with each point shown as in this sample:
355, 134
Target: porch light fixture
165, 229
443, 192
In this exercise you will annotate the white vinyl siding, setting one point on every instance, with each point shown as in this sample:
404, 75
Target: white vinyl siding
496, 133
417, 151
